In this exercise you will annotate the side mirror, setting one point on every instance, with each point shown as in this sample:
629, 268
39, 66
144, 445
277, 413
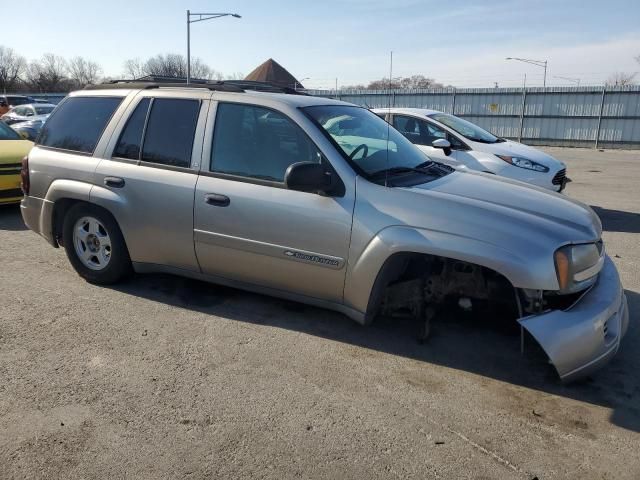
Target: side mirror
29, 114
443, 144
307, 177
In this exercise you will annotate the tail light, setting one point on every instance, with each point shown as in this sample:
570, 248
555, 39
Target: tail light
25, 182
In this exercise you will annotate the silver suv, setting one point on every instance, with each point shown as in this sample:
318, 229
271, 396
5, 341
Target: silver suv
318, 201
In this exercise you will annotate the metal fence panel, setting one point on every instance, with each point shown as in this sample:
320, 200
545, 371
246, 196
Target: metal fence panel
569, 116
507, 127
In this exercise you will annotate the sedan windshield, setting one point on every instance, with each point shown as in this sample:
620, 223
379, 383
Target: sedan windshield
374, 148
43, 110
466, 129
7, 133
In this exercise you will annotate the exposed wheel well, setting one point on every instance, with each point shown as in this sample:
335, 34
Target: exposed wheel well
411, 280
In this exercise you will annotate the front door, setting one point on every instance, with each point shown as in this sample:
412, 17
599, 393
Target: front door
423, 134
249, 227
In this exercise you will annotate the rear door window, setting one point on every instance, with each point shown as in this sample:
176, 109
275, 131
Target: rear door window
130, 142
170, 131
78, 123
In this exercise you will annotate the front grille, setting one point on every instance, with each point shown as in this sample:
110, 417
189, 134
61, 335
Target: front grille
11, 193
559, 177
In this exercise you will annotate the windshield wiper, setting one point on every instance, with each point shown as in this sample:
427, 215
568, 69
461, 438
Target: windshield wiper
397, 170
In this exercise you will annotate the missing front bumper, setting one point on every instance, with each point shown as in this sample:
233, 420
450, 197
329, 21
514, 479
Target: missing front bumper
586, 336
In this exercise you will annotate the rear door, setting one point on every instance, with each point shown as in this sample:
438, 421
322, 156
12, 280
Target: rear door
149, 176
248, 226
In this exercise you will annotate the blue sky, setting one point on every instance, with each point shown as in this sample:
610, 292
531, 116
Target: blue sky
458, 42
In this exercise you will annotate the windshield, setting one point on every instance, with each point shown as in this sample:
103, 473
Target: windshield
466, 129
43, 110
7, 133
376, 149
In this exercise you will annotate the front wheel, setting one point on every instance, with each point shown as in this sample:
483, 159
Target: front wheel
95, 245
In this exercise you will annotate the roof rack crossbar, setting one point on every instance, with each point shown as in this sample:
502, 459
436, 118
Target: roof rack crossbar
237, 86
146, 85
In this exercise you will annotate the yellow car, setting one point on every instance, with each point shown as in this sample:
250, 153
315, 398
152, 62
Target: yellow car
12, 149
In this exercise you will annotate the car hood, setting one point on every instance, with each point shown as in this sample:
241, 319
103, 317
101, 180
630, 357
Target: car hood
38, 122
12, 151
515, 149
511, 204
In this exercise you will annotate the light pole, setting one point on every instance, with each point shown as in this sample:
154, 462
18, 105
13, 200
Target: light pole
201, 18
570, 79
299, 82
537, 63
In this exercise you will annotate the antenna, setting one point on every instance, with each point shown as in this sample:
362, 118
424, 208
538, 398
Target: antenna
386, 176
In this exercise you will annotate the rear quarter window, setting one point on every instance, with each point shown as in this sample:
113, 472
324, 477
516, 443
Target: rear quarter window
78, 123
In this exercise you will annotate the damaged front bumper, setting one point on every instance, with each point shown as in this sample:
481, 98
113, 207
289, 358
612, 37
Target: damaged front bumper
584, 337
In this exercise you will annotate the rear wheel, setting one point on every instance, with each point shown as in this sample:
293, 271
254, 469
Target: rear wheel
95, 245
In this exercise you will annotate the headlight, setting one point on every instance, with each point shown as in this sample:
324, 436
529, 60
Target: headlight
578, 265
523, 163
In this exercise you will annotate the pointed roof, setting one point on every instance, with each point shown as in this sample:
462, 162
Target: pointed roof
272, 72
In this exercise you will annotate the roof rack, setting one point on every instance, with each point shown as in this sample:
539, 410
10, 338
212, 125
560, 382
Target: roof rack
264, 87
175, 82
154, 81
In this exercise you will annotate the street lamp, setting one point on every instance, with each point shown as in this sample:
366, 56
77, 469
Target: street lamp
201, 18
299, 82
537, 63
570, 79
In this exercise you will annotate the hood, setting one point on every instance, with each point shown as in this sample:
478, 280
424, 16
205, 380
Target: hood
12, 151
36, 121
515, 149
512, 204
502, 224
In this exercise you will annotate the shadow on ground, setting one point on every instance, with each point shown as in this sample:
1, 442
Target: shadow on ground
10, 218
618, 220
470, 343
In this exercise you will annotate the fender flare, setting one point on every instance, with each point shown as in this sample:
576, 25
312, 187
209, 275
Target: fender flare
366, 277
60, 189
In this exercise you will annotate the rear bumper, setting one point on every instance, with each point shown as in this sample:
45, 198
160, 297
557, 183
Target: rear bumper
37, 214
583, 338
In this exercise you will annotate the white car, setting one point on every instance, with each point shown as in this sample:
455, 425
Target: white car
24, 113
461, 144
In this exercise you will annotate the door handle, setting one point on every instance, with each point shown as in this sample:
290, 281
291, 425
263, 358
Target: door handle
217, 200
115, 182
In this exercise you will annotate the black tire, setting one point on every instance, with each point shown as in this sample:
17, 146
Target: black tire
119, 264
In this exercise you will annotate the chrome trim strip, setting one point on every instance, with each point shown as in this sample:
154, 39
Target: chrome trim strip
263, 248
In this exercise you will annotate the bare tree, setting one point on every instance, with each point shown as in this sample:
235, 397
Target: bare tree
134, 68
620, 79
83, 72
419, 81
169, 65
12, 66
48, 74
414, 81
236, 76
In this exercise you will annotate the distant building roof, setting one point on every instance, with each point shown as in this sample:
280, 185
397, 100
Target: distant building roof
272, 72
